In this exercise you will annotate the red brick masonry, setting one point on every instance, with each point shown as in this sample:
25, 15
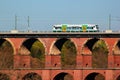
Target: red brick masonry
52, 62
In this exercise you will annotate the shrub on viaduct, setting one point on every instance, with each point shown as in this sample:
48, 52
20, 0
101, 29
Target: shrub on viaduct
45, 62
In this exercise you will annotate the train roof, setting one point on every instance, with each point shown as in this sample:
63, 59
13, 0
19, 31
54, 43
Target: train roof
69, 25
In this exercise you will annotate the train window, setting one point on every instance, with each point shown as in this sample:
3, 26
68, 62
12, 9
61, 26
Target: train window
77, 28
73, 27
57, 27
68, 27
80, 27
89, 27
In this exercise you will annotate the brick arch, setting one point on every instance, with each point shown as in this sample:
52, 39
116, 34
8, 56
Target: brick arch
116, 53
33, 74
117, 76
81, 43
110, 43
53, 43
87, 50
4, 76
11, 43
63, 76
59, 72
116, 47
54, 54
25, 39
93, 74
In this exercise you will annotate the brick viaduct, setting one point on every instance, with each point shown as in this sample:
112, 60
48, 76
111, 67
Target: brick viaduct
83, 69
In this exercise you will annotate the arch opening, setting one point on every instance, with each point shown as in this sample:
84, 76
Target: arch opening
95, 76
66, 49
100, 55
32, 76
28, 43
118, 78
63, 76
99, 51
6, 54
68, 55
118, 44
56, 49
36, 50
4, 76
117, 48
90, 43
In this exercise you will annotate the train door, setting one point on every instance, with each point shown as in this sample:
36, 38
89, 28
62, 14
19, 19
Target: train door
84, 28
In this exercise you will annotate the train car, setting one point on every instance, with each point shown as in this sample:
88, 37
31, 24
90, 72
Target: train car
75, 28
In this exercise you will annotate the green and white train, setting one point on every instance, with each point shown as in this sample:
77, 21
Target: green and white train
76, 28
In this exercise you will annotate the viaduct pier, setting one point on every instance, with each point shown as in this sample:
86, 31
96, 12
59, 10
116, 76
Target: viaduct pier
23, 62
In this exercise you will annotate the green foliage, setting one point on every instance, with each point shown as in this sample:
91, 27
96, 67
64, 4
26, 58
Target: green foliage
37, 50
68, 77
38, 55
68, 55
100, 45
95, 76
99, 77
100, 55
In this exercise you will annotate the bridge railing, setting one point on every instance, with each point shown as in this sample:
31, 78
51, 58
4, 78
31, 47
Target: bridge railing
17, 31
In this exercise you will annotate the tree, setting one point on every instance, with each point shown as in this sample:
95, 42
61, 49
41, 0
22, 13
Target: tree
68, 55
38, 55
6, 55
100, 55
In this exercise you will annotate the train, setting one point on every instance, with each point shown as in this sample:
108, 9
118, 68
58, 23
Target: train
75, 28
